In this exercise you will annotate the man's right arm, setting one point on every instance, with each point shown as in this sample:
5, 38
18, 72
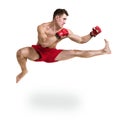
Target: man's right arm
41, 34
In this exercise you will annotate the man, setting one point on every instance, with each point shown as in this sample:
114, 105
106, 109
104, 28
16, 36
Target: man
49, 35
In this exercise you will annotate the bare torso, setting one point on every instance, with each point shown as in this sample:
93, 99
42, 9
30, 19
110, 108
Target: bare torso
46, 35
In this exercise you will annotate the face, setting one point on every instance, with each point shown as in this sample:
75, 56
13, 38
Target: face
61, 20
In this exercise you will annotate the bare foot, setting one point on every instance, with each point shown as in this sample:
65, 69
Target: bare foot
107, 48
19, 76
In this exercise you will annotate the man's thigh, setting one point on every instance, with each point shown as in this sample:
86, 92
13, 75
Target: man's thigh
29, 53
65, 54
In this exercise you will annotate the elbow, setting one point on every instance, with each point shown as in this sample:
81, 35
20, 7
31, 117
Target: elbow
83, 40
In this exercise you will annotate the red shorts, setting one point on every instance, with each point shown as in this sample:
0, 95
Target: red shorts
46, 54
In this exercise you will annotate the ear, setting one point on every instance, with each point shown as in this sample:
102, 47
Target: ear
57, 17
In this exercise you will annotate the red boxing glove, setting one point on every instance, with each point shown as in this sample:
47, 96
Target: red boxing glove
62, 33
95, 31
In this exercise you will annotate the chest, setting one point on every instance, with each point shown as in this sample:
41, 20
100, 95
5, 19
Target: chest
50, 32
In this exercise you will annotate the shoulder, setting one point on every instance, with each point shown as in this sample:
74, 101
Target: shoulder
70, 31
42, 27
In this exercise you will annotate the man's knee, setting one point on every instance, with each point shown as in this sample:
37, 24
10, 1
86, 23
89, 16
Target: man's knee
23, 51
73, 53
18, 53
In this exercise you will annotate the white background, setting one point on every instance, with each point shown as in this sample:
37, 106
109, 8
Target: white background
76, 89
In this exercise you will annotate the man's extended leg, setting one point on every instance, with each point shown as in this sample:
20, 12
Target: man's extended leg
22, 56
67, 54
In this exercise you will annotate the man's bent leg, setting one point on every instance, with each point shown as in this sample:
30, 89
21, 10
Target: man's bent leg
67, 54
22, 56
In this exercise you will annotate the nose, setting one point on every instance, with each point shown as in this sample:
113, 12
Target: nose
63, 23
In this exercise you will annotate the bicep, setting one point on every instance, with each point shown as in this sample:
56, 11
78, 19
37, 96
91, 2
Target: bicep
41, 34
74, 37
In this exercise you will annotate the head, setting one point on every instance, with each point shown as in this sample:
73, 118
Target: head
60, 17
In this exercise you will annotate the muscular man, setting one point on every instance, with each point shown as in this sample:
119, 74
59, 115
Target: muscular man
49, 35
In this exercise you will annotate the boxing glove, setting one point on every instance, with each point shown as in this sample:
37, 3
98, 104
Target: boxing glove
95, 31
62, 33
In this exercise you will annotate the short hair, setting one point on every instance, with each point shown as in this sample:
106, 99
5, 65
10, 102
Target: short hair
60, 12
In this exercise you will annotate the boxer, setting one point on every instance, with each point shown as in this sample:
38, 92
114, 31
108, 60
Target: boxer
49, 35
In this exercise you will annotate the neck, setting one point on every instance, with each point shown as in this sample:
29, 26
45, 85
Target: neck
54, 26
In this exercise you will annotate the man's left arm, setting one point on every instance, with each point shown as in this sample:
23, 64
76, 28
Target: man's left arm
83, 39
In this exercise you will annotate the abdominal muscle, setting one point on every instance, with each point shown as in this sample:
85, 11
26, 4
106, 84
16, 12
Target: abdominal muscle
46, 44
51, 42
